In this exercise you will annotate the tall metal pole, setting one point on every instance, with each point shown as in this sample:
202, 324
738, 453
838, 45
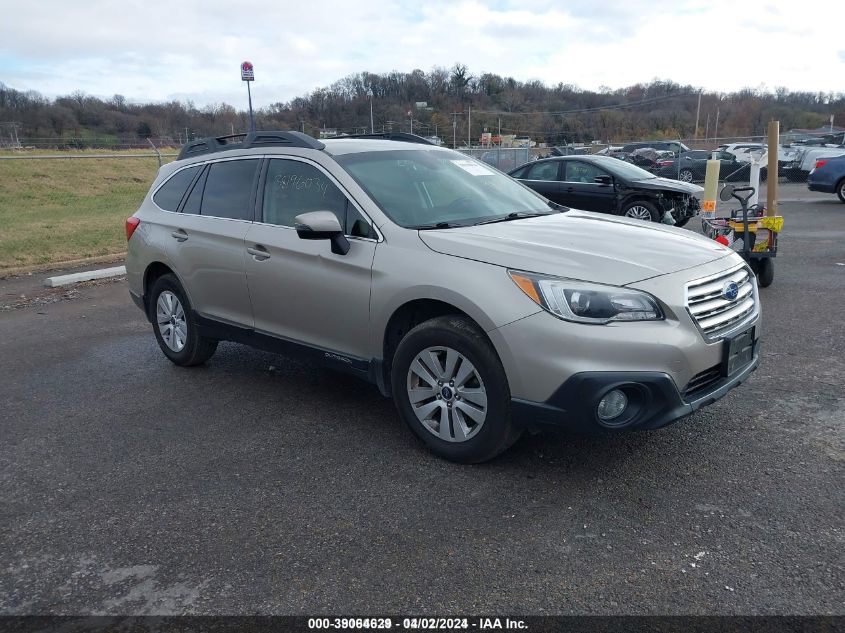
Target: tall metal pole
716, 129
251, 119
469, 127
372, 127
697, 112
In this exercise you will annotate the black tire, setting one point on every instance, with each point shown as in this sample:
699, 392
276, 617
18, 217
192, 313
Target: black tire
497, 433
765, 272
685, 175
648, 206
840, 190
764, 174
682, 221
197, 349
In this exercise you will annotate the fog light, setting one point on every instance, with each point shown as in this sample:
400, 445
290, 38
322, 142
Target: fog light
612, 405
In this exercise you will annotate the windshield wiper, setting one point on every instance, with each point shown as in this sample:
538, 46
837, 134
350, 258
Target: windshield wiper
516, 215
438, 225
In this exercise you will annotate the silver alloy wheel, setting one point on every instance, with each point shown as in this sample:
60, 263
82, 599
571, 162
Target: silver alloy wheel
447, 394
171, 321
686, 175
638, 212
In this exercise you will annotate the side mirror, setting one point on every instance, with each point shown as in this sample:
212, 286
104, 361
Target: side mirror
726, 193
604, 179
322, 225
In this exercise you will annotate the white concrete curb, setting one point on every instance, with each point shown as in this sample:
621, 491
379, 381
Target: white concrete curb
75, 278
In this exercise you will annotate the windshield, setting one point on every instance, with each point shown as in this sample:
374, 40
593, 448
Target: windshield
425, 188
627, 170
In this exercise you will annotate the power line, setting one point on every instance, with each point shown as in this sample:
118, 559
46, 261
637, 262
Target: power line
619, 106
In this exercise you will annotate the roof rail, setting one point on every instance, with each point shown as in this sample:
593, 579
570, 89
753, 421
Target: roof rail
391, 136
212, 144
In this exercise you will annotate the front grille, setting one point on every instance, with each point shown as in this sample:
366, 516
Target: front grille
701, 381
715, 314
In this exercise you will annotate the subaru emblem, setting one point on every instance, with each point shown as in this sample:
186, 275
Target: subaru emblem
730, 291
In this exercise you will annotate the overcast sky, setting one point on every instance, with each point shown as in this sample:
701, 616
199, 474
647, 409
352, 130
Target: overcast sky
151, 50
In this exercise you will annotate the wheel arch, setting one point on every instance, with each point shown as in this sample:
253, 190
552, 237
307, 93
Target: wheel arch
407, 316
838, 188
152, 272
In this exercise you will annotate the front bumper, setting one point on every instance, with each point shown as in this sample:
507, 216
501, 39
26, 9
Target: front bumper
654, 400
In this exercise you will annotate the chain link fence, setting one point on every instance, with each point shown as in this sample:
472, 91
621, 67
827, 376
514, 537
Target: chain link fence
502, 158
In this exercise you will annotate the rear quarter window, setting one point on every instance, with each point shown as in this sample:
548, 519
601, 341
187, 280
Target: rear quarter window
171, 192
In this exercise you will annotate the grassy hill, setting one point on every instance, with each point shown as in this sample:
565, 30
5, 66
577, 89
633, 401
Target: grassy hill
61, 210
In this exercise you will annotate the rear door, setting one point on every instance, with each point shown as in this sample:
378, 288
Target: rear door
580, 190
205, 242
300, 290
544, 178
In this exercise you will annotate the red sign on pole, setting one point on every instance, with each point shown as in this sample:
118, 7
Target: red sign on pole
247, 72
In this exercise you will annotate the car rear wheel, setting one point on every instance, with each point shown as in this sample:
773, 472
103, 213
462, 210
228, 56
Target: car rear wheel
173, 324
685, 175
450, 388
640, 210
840, 190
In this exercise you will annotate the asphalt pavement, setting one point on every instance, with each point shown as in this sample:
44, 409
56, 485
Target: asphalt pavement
257, 485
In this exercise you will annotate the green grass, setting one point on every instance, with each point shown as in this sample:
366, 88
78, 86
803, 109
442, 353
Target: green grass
60, 210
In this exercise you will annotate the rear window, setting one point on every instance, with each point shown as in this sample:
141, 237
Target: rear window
171, 192
228, 189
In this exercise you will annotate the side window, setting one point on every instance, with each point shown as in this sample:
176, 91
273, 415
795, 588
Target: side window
544, 171
293, 187
171, 192
192, 204
520, 173
228, 188
576, 171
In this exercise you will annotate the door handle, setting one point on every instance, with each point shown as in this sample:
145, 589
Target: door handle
258, 252
570, 189
179, 235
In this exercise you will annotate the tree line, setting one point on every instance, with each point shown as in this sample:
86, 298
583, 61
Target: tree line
562, 113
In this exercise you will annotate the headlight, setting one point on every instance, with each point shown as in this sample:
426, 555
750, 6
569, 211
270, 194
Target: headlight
584, 302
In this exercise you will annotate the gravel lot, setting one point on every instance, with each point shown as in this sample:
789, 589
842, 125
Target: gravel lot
257, 485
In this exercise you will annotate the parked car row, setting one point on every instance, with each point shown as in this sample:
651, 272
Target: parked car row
608, 185
691, 166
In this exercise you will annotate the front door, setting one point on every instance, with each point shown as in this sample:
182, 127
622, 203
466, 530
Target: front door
300, 290
581, 190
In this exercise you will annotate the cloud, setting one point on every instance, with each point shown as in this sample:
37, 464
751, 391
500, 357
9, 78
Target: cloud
156, 50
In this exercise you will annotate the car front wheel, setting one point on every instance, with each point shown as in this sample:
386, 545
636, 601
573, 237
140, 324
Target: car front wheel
173, 324
685, 175
450, 388
840, 190
641, 210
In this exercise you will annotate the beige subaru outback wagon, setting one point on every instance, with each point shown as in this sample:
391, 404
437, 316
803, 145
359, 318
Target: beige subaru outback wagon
479, 306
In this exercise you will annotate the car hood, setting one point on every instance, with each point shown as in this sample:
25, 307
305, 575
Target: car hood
579, 245
669, 185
